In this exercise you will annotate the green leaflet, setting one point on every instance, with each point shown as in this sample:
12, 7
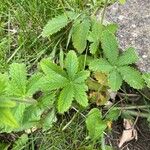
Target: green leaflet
34, 84
101, 65
132, 77
55, 76
128, 57
115, 80
71, 64
95, 36
146, 77
95, 124
65, 98
111, 28
80, 94
96, 32
113, 114
80, 35
49, 67
18, 81
94, 47
6, 103
47, 100
110, 46
3, 83
122, 1
18, 112
84, 61
7, 118
81, 76
57, 23
49, 120
32, 114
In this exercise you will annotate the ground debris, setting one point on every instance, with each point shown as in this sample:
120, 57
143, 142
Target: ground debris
129, 133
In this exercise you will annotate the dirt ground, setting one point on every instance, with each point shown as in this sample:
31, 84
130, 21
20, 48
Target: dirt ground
143, 141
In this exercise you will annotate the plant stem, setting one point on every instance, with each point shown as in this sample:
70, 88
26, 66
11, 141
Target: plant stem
104, 10
66, 126
103, 147
135, 113
133, 107
144, 95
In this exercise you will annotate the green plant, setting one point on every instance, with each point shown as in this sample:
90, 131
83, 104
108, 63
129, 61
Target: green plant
117, 66
71, 82
6, 104
96, 123
146, 77
59, 82
19, 110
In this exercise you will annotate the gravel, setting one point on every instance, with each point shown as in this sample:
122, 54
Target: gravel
133, 19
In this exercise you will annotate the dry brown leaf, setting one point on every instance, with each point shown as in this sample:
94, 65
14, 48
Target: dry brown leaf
101, 78
129, 133
100, 98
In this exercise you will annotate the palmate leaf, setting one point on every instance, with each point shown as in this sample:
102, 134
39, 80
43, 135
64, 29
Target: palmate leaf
95, 124
132, 77
70, 82
110, 46
57, 23
18, 80
146, 77
71, 64
80, 94
114, 80
128, 57
80, 34
65, 98
101, 65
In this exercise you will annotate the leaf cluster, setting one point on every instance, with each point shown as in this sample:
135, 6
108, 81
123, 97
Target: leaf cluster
70, 81
64, 84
